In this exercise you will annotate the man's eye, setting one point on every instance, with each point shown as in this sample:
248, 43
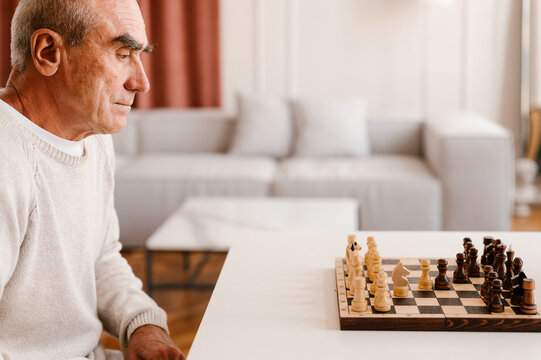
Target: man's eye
123, 56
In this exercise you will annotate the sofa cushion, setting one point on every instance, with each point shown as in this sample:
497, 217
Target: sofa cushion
264, 126
330, 127
395, 192
149, 188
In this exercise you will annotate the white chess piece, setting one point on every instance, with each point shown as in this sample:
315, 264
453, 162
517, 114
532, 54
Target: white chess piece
359, 303
357, 269
425, 282
382, 300
400, 282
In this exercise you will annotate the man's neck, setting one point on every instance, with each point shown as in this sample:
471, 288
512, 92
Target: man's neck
37, 104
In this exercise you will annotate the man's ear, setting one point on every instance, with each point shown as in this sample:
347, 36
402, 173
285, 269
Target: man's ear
46, 48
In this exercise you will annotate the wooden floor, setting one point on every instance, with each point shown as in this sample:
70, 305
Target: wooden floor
185, 308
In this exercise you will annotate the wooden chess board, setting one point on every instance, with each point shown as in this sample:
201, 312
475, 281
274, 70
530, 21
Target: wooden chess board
458, 309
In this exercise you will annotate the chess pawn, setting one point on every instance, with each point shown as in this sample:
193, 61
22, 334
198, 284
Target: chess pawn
460, 276
487, 240
377, 270
425, 282
359, 303
491, 277
382, 301
495, 304
487, 269
376, 260
442, 281
473, 267
527, 306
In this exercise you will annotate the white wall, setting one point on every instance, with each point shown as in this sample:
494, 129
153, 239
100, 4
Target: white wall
403, 56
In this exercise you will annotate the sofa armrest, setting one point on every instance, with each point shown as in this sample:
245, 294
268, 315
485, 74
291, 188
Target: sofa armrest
473, 158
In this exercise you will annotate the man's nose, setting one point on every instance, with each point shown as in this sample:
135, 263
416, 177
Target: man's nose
138, 80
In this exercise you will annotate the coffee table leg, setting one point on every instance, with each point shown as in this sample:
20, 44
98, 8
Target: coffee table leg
186, 260
150, 285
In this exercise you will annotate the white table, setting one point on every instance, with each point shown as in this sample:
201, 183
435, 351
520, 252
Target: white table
211, 223
276, 299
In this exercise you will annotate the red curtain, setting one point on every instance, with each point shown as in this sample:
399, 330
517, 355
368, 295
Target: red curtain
183, 69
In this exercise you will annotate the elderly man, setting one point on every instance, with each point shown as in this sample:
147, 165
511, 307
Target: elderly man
76, 69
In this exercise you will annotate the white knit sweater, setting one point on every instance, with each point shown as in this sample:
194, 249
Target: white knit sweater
62, 278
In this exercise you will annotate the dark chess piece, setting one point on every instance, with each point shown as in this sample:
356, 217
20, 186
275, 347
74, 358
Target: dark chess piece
496, 305
467, 255
491, 277
473, 268
499, 265
487, 269
460, 276
491, 253
487, 240
516, 281
465, 243
442, 282
507, 283
528, 303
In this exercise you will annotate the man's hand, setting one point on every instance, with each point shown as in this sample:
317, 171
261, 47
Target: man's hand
150, 342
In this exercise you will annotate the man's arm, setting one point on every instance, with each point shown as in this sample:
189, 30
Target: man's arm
125, 310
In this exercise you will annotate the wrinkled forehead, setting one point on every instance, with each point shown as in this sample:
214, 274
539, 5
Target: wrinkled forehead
119, 18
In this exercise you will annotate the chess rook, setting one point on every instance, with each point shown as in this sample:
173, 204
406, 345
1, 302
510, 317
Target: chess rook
442, 282
527, 306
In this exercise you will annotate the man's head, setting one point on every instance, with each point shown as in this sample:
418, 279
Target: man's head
86, 56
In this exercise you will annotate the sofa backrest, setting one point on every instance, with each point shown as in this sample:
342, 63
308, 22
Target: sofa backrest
210, 130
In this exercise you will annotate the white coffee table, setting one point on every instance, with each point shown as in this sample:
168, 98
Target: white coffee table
205, 224
276, 299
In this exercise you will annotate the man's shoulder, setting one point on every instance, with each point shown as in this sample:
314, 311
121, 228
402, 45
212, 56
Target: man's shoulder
12, 144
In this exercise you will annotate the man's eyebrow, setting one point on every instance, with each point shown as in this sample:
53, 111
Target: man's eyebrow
130, 42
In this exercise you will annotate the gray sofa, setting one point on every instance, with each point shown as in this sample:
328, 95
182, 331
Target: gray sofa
454, 172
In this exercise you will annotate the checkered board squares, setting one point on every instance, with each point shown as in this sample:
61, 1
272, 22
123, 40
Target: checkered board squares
458, 309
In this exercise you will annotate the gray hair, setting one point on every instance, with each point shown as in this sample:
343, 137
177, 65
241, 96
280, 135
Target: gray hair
70, 18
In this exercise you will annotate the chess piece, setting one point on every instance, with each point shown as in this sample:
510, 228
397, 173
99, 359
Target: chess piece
460, 276
499, 260
376, 260
400, 282
495, 304
473, 267
382, 301
516, 281
377, 270
507, 282
527, 306
357, 269
487, 269
491, 277
442, 282
425, 282
465, 241
349, 248
371, 243
491, 253
467, 248
359, 303
487, 242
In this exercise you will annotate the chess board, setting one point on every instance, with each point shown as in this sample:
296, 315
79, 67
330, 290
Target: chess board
458, 309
